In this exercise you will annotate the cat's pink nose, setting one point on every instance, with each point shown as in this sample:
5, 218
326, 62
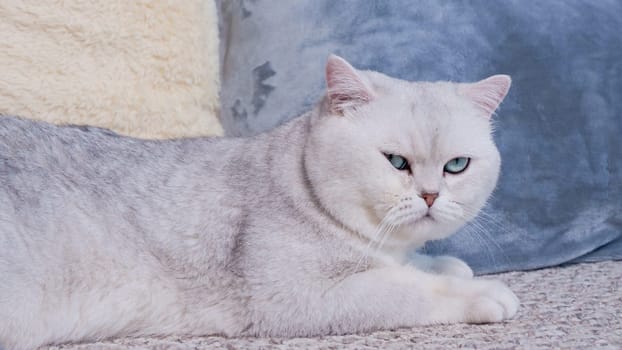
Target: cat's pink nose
429, 198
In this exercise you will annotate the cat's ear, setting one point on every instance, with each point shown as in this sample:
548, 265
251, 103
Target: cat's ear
346, 88
487, 94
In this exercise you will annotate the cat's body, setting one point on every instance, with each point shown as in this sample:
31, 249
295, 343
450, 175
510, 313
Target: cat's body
103, 235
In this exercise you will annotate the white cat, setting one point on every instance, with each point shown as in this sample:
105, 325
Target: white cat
300, 231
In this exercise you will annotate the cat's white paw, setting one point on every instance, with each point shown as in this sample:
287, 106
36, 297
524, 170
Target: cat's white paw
494, 303
450, 266
442, 265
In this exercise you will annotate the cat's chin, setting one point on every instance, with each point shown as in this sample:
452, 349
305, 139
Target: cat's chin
427, 227
427, 218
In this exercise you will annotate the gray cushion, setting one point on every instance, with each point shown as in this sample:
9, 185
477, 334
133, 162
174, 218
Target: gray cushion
559, 198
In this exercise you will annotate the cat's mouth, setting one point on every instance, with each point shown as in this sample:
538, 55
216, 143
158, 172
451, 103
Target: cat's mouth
427, 217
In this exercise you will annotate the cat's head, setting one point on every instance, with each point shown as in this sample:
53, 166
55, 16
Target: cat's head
415, 159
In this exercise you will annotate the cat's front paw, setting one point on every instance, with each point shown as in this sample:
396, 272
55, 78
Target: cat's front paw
495, 302
450, 266
443, 265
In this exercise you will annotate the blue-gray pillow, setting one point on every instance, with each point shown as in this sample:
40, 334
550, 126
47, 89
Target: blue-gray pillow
559, 198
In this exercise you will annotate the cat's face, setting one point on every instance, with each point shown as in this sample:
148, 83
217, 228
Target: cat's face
403, 162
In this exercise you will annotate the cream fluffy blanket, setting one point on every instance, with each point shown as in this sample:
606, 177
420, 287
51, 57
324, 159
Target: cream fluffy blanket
142, 68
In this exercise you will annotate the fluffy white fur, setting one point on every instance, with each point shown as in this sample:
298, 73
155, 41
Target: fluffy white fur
301, 231
142, 68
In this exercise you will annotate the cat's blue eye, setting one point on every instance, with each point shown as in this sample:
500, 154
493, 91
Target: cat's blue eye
399, 162
457, 165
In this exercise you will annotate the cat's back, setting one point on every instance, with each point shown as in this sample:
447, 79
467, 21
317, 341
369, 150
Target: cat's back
87, 155
44, 167
48, 171
74, 188
27, 145
37, 149
36, 156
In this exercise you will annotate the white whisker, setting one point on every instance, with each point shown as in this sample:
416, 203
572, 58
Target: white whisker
480, 224
473, 233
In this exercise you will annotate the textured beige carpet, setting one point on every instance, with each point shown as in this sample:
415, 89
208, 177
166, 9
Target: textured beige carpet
574, 307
